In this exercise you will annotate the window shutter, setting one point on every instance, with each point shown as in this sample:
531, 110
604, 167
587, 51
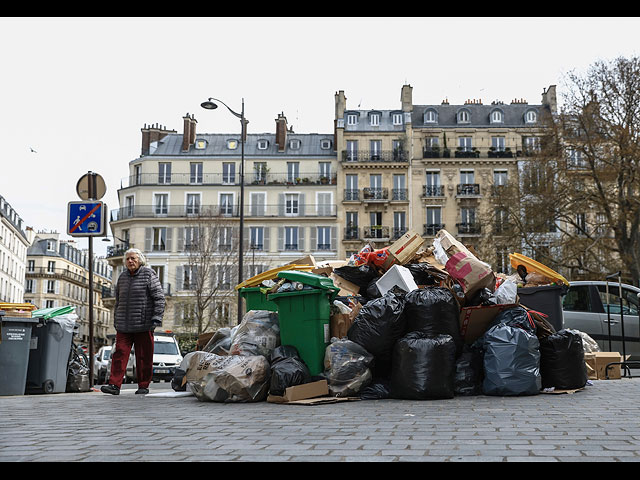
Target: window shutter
180, 246
148, 235
169, 235
246, 241
313, 237
57, 286
334, 236
301, 243
280, 239
179, 277
214, 276
281, 204
301, 204
267, 246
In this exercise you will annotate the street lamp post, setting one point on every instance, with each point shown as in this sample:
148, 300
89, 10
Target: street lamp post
210, 105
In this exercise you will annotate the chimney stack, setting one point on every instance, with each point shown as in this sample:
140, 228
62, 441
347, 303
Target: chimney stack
153, 133
189, 132
281, 131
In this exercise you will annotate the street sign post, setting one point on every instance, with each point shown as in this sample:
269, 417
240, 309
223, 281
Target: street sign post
89, 219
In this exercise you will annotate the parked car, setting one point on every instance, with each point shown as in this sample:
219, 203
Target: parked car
166, 357
585, 308
100, 364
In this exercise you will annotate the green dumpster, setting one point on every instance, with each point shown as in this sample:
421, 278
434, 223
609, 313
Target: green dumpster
304, 316
256, 300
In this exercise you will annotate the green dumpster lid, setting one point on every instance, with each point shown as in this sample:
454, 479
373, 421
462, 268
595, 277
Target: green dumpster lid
47, 313
311, 279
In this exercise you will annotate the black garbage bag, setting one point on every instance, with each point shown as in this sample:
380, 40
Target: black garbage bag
511, 362
379, 324
515, 317
562, 363
423, 367
434, 311
372, 292
420, 273
287, 370
361, 275
346, 368
469, 371
77, 377
378, 389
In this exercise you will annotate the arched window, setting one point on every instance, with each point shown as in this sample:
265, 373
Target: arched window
430, 116
497, 116
464, 116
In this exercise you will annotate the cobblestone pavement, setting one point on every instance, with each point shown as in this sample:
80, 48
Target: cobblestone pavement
599, 423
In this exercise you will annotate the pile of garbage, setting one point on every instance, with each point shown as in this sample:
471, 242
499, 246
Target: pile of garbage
407, 322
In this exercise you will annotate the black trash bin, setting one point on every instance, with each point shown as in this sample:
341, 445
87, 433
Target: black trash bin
546, 299
15, 338
49, 355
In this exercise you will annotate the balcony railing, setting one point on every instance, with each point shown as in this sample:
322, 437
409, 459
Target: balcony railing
468, 228
472, 152
351, 194
399, 194
351, 233
369, 193
468, 189
375, 156
398, 232
432, 229
216, 211
376, 232
117, 250
110, 292
432, 191
250, 178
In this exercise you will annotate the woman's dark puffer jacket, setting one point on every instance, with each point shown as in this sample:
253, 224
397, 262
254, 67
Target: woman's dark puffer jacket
139, 301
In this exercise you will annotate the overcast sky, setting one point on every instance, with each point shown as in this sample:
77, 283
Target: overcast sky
78, 90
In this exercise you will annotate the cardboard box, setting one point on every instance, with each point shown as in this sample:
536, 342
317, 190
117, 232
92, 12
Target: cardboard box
590, 361
306, 260
301, 392
474, 321
346, 287
403, 249
398, 276
339, 323
601, 361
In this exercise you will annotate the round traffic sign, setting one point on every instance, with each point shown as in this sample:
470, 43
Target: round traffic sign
91, 186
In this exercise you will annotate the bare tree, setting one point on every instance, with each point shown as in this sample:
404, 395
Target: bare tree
210, 239
576, 206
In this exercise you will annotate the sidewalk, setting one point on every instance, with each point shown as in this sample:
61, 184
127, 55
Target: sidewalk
598, 423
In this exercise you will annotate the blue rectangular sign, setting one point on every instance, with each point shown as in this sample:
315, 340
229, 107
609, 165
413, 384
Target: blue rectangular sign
86, 219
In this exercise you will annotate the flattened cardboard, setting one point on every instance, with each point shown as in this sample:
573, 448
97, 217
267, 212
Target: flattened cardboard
475, 320
306, 260
301, 392
558, 391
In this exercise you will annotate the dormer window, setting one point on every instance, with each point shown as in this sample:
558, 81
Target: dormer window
200, 144
352, 119
232, 144
325, 144
430, 116
463, 116
397, 118
374, 119
294, 144
263, 144
531, 116
497, 116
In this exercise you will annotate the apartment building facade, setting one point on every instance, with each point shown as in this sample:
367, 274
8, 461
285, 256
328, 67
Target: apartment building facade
181, 180
14, 242
57, 275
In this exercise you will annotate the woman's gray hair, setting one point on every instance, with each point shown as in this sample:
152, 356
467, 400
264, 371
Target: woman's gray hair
141, 257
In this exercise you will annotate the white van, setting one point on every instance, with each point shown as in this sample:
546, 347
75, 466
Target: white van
166, 357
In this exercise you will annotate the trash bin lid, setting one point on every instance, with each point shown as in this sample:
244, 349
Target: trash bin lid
311, 279
533, 266
47, 313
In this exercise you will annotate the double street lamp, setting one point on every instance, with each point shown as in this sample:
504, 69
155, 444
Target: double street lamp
211, 105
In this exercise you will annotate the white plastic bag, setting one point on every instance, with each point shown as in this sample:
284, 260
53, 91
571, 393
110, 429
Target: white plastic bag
507, 292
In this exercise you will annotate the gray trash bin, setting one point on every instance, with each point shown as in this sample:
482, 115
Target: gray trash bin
15, 337
49, 355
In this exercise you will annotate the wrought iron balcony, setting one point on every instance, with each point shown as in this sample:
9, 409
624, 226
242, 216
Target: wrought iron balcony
351, 233
251, 178
369, 193
432, 191
375, 156
468, 228
401, 194
398, 232
376, 232
470, 189
351, 194
432, 229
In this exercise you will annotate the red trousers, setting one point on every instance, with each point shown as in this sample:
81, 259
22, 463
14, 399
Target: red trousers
143, 342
